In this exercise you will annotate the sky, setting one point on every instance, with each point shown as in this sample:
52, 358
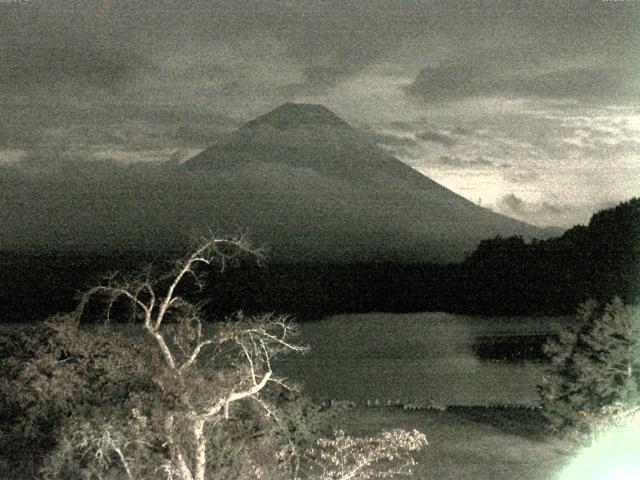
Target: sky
530, 110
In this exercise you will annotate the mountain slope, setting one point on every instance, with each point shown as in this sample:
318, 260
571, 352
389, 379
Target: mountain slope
317, 184
302, 182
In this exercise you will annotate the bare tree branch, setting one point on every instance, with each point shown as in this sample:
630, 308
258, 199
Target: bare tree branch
194, 355
248, 345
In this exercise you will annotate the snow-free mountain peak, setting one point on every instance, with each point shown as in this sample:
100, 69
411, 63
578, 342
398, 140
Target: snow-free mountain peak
293, 115
303, 184
311, 186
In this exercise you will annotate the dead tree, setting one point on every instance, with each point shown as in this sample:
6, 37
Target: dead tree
249, 343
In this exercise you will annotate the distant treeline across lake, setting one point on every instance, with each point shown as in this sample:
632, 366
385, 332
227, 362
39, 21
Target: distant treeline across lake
503, 276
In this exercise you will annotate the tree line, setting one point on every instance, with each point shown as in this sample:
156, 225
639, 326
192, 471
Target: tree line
501, 276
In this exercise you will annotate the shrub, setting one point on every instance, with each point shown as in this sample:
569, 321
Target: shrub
58, 371
179, 402
347, 458
594, 364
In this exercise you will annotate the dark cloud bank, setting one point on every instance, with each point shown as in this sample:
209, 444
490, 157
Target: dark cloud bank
553, 49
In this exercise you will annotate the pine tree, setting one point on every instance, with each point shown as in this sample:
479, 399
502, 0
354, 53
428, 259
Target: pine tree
594, 363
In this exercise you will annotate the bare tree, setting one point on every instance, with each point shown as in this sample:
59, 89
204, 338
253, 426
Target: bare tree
196, 401
176, 326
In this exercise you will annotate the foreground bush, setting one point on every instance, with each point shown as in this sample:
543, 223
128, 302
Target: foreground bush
55, 372
179, 402
595, 364
346, 458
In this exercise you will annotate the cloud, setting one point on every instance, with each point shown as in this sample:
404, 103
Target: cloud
601, 82
432, 136
451, 81
512, 203
139, 80
106, 127
320, 77
549, 212
462, 131
551, 208
319, 43
12, 155
394, 141
457, 162
520, 176
403, 125
122, 156
558, 52
27, 67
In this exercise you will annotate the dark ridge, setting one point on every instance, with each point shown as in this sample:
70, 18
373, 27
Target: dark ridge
294, 114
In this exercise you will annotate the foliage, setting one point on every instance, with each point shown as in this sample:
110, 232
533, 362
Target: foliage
617, 416
58, 370
595, 363
179, 401
600, 261
387, 455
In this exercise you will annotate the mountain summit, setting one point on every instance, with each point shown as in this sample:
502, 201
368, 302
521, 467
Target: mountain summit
311, 186
295, 115
296, 134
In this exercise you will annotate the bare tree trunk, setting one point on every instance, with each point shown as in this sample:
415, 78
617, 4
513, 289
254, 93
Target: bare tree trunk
175, 452
201, 452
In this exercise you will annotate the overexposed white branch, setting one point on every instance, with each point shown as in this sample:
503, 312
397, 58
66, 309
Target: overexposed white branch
279, 340
236, 396
194, 355
175, 451
250, 360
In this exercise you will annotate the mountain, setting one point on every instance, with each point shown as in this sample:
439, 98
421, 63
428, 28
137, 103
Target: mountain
299, 180
291, 115
311, 186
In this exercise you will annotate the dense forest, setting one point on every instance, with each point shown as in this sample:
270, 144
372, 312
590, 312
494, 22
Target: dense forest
502, 276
